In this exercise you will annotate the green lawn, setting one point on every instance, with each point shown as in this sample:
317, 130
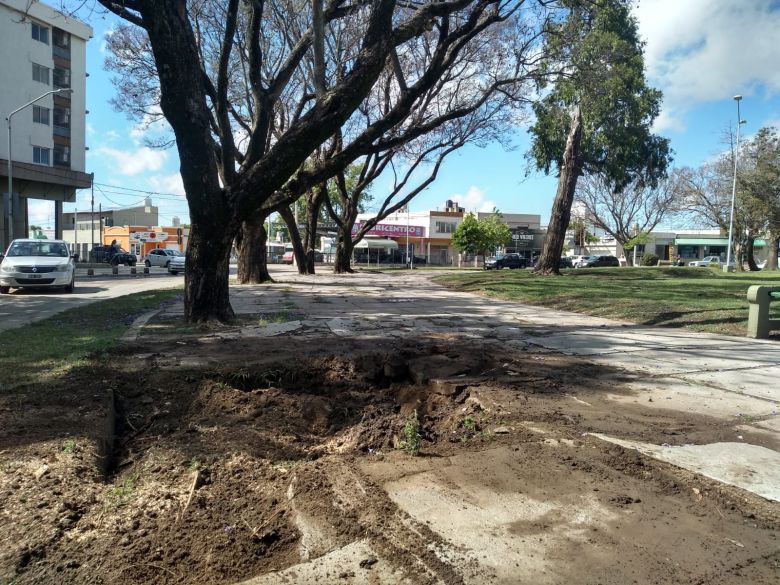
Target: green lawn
704, 299
49, 348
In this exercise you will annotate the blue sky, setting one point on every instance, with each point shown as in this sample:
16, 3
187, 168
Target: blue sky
698, 52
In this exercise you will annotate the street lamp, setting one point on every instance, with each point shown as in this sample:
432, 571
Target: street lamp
740, 121
10, 179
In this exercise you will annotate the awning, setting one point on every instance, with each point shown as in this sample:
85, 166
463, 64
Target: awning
710, 242
377, 243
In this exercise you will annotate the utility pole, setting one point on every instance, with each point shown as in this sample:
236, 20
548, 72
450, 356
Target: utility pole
92, 216
100, 219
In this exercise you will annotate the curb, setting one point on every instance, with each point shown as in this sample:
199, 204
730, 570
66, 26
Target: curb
132, 333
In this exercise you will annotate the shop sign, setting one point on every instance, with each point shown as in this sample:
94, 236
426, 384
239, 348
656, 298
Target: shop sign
148, 236
392, 230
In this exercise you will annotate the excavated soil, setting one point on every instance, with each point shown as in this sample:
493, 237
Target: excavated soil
214, 461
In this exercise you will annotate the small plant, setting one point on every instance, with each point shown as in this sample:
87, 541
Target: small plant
120, 494
195, 464
69, 446
411, 433
470, 424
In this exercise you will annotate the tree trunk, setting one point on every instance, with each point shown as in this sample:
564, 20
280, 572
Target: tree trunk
561, 211
750, 254
344, 247
739, 248
295, 237
771, 259
206, 295
313, 203
251, 243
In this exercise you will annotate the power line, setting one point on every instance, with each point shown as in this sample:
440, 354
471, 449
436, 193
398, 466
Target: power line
148, 192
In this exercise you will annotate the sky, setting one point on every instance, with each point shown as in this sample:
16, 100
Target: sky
699, 53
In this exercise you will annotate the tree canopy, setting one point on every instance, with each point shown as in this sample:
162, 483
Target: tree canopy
479, 236
596, 116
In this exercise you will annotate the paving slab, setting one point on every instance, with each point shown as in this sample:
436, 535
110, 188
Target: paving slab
750, 467
761, 382
478, 513
680, 395
340, 566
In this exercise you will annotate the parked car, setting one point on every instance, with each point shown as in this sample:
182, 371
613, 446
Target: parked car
512, 260
762, 265
601, 261
176, 263
419, 260
710, 261
288, 257
578, 261
112, 255
319, 256
161, 257
566, 262
37, 264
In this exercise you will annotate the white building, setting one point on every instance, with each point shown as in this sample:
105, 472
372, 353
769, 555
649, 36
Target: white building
42, 50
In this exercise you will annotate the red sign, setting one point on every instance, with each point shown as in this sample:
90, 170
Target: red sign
392, 230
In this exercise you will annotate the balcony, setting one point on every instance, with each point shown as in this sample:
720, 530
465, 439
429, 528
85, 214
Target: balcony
61, 52
61, 131
61, 78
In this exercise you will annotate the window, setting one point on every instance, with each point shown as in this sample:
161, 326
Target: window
40, 33
446, 227
61, 155
41, 115
40, 155
40, 73
61, 77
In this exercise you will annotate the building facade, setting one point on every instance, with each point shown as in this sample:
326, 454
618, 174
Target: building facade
81, 228
430, 232
43, 50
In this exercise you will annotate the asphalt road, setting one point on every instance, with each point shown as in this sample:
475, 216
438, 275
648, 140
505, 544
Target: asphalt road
24, 306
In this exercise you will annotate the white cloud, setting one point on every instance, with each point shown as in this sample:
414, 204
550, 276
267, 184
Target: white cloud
708, 50
167, 184
134, 161
474, 200
40, 212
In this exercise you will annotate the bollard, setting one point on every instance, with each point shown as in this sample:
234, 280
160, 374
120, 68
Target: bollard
90, 272
132, 270
146, 270
115, 270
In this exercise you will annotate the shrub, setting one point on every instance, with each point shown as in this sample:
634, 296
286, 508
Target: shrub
649, 260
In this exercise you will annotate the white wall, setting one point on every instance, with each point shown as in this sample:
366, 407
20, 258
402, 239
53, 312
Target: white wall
19, 51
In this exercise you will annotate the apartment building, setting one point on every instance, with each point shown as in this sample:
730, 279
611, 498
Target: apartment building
44, 51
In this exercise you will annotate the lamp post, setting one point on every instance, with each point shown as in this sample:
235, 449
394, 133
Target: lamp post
10, 179
740, 121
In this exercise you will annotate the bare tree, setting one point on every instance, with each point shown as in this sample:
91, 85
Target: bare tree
231, 168
625, 213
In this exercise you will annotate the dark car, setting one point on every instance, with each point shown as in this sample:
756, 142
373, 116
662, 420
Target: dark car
565, 262
112, 256
600, 261
507, 261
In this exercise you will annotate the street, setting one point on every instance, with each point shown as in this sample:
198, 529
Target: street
24, 306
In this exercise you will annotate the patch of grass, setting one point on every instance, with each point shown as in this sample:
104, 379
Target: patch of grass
470, 424
411, 435
49, 348
119, 495
69, 446
703, 299
195, 464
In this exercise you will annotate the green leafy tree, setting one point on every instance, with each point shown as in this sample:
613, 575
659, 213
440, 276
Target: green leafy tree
759, 189
469, 237
477, 236
597, 116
